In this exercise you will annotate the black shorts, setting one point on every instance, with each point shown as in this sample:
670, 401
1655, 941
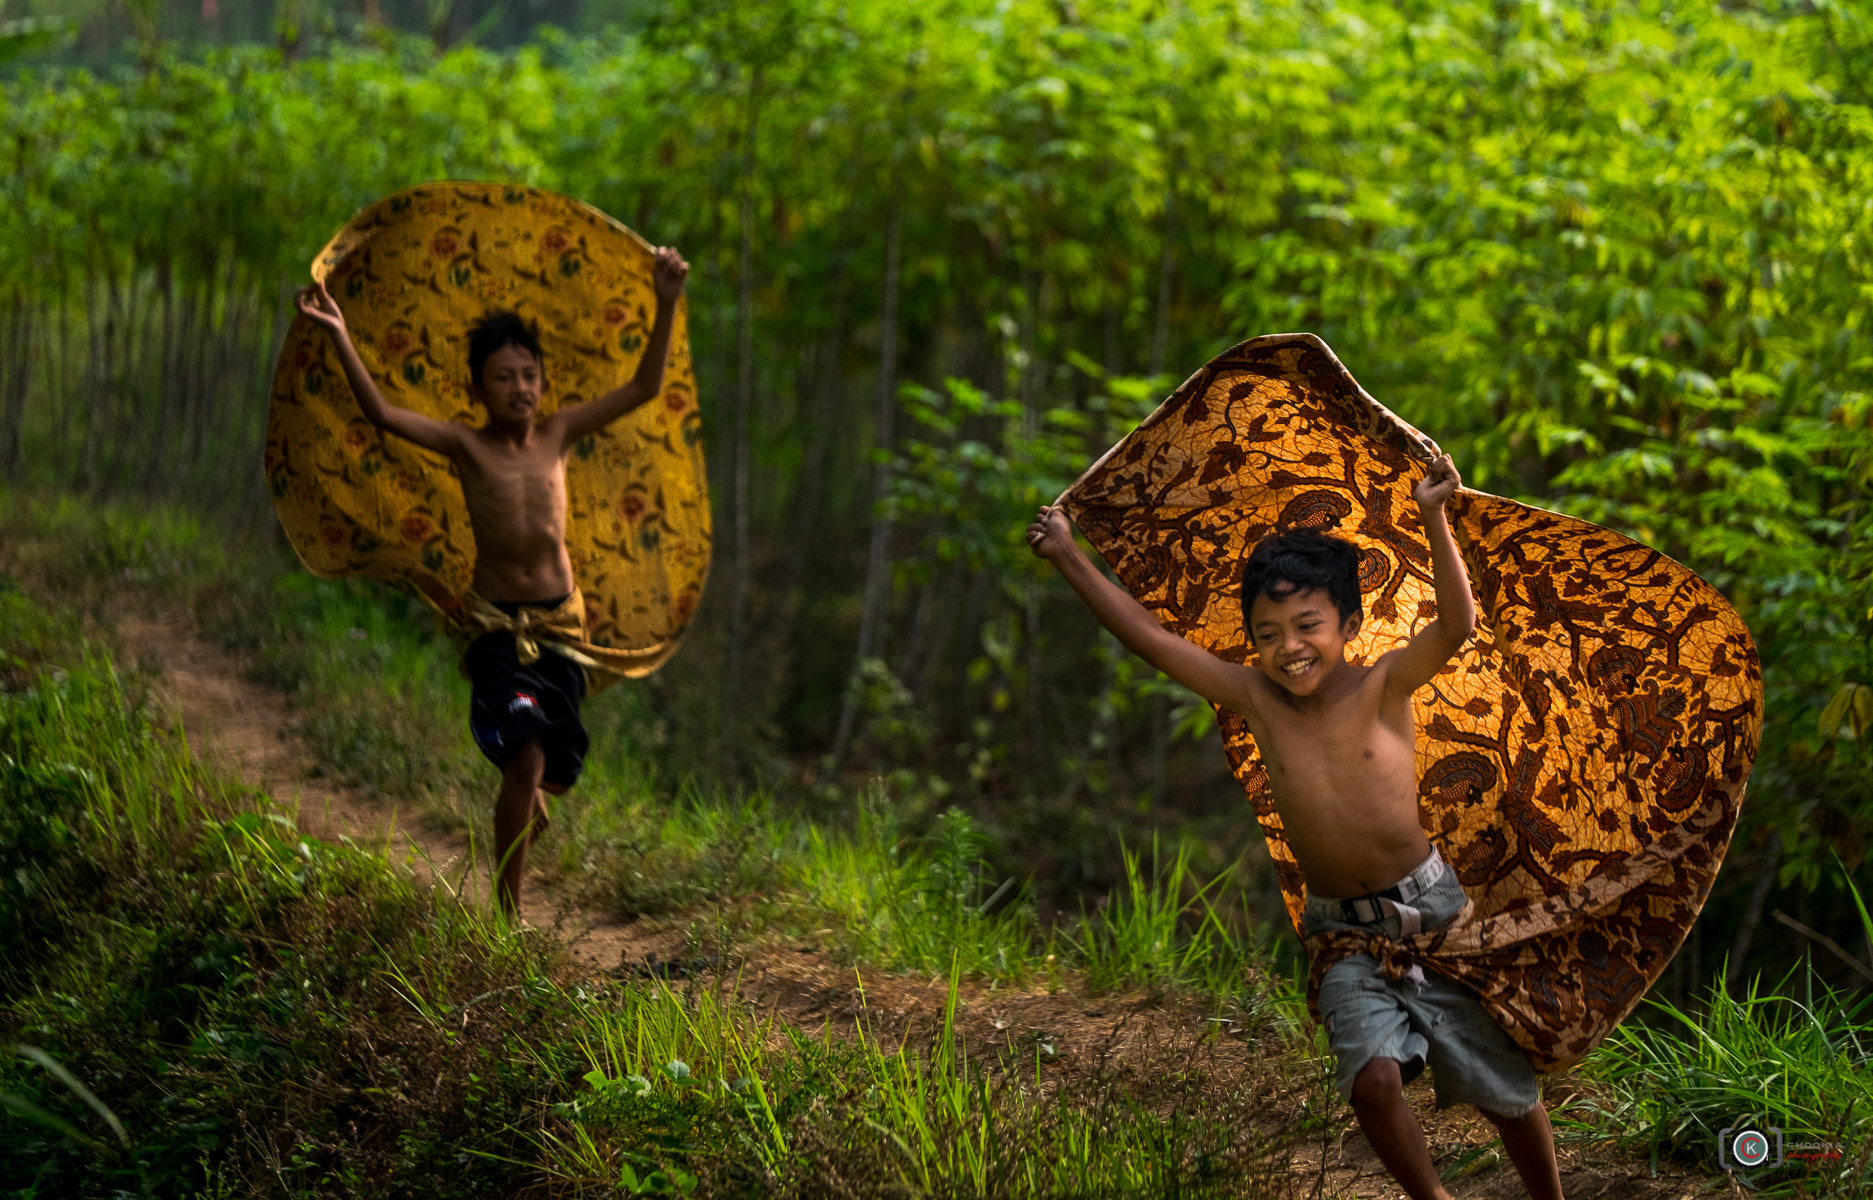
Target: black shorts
513, 702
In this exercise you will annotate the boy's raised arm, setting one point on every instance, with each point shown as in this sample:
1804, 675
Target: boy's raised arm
1435, 644
427, 432
667, 278
1220, 682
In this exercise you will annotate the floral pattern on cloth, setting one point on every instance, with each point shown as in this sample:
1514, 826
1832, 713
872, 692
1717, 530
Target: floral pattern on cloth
412, 273
1580, 763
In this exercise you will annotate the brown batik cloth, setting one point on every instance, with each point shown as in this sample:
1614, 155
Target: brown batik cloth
1580, 763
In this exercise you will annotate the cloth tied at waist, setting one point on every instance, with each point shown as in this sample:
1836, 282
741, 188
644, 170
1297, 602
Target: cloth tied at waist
533, 628
1399, 959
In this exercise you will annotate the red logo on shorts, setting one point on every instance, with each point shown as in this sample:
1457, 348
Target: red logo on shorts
521, 700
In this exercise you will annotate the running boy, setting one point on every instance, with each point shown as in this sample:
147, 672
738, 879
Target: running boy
1338, 741
525, 710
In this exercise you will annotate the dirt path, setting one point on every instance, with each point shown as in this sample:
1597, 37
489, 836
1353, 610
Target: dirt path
245, 729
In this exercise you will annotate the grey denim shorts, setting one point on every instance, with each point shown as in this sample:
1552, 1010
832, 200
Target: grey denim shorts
1439, 1022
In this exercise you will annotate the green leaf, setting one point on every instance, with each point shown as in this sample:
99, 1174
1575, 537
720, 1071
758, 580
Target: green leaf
1849, 710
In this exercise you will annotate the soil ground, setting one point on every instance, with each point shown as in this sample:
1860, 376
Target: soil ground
246, 729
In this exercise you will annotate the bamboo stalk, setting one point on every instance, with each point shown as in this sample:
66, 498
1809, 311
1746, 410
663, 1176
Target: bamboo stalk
877, 564
744, 405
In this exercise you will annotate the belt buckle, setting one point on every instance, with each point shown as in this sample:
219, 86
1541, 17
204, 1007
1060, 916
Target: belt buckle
1355, 910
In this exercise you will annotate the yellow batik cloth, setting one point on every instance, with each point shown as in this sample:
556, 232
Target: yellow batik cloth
412, 273
1580, 763
558, 630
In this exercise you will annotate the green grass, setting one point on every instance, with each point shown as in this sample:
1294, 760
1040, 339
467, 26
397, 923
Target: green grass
204, 1003
1797, 1056
272, 1016
1163, 930
821, 1115
888, 887
199, 1001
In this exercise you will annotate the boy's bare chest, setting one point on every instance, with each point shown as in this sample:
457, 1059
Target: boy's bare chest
524, 482
1352, 737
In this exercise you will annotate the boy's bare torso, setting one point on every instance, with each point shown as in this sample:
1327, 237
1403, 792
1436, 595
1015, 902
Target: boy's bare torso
513, 468
1337, 738
1343, 771
516, 497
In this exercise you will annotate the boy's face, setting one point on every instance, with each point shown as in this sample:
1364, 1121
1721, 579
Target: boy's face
511, 384
1301, 638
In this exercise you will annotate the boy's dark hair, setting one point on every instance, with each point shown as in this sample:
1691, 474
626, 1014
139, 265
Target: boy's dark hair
499, 327
1284, 563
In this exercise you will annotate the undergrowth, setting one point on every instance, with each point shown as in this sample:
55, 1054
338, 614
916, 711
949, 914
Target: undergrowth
1794, 1060
200, 1001
382, 704
197, 1000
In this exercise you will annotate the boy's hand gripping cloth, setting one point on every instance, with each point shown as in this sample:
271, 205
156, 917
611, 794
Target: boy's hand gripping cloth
411, 274
1581, 762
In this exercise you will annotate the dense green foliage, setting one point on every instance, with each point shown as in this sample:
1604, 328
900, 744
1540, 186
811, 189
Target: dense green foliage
1612, 255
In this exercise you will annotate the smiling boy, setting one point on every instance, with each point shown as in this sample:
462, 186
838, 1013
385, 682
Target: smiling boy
525, 605
1339, 743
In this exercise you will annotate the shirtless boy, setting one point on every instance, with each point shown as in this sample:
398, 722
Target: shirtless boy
1339, 744
524, 715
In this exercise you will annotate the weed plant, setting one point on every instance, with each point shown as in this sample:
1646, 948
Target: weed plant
385, 705
212, 1004
1797, 1057
382, 705
1140, 939
912, 903
822, 1115
195, 1000
223, 989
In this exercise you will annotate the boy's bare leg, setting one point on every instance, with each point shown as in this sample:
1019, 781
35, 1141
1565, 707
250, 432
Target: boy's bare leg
519, 815
1529, 1140
1393, 1129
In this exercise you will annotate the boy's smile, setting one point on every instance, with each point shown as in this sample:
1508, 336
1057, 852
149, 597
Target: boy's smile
1301, 638
511, 384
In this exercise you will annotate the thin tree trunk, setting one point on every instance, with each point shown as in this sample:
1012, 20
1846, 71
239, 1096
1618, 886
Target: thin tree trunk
195, 378
744, 406
1752, 913
1033, 282
18, 369
1031, 629
12, 366
972, 627
62, 395
877, 565
928, 644
269, 336
922, 618
1697, 957
827, 373
168, 353
1108, 722
1160, 747
1167, 268
213, 433
137, 432
93, 400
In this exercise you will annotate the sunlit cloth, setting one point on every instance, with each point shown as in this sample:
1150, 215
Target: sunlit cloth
412, 273
1580, 764
558, 630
